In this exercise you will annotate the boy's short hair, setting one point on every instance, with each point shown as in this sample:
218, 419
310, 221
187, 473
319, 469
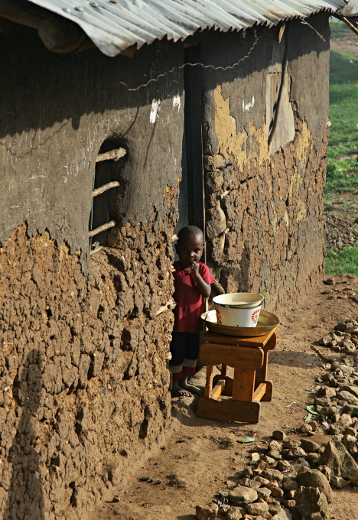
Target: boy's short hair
189, 230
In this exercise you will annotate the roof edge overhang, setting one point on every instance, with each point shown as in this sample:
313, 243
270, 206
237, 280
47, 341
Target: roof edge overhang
121, 26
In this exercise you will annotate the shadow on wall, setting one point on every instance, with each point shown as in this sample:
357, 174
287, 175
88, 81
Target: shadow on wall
64, 88
25, 497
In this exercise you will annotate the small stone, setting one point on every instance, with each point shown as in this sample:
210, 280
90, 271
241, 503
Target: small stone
268, 459
249, 483
325, 341
310, 446
279, 435
350, 431
274, 454
314, 425
275, 445
329, 281
258, 508
273, 474
354, 479
263, 493
242, 495
290, 485
327, 391
231, 484
347, 397
345, 420
175, 481
283, 514
276, 492
284, 466
350, 443
262, 465
263, 481
339, 482
207, 513
326, 471
353, 389
296, 453
290, 503
247, 473
235, 513
291, 443
255, 457
311, 500
316, 479
341, 327
305, 428
312, 457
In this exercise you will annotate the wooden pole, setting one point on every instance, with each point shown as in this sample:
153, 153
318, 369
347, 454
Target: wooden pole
109, 225
112, 155
104, 188
350, 24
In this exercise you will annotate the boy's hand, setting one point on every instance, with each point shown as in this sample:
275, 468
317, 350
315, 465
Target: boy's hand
195, 268
203, 287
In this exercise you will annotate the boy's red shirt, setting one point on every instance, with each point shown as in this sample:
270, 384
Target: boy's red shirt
190, 303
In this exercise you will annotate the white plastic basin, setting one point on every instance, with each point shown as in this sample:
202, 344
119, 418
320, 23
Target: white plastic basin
238, 309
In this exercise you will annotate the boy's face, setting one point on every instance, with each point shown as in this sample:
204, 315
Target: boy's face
190, 249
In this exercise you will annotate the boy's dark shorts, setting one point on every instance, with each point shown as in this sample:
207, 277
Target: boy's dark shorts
184, 345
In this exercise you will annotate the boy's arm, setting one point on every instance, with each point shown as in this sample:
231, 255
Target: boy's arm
203, 287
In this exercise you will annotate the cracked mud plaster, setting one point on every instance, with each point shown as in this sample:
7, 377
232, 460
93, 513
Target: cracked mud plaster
273, 236
84, 381
239, 147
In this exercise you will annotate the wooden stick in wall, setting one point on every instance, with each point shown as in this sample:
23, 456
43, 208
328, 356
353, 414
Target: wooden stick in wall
112, 155
105, 187
108, 225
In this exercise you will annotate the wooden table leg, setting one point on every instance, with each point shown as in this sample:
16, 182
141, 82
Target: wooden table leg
261, 374
243, 385
209, 380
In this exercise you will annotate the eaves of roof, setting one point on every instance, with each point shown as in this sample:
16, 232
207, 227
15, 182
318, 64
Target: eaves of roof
115, 25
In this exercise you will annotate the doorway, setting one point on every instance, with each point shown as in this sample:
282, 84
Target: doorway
191, 196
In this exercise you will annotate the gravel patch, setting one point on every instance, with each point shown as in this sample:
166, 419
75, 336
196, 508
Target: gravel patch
340, 233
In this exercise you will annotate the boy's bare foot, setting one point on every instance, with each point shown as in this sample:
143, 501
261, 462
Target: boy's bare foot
190, 388
180, 392
181, 388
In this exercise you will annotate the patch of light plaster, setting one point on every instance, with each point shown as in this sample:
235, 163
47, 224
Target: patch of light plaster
154, 110
238, 145
176, 102
246, 107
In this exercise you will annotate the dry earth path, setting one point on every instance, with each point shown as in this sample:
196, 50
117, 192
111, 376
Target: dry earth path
202, 455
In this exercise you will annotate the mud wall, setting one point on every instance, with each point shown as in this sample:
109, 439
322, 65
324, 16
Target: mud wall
264, 205
84, 340
84, 383
56, 113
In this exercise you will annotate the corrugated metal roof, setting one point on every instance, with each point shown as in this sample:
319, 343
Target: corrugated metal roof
114, 25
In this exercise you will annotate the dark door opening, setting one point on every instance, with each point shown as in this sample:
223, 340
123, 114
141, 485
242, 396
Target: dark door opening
191, 197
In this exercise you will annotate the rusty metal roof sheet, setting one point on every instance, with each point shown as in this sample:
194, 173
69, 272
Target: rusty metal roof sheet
114, 25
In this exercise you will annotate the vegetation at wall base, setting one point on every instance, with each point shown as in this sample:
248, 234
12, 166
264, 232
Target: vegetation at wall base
342, 261
342, 163
341, 189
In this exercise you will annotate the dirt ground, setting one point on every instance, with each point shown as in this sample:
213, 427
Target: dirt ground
202, 454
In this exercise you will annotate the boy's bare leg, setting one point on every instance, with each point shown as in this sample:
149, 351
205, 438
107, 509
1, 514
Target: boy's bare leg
183, 383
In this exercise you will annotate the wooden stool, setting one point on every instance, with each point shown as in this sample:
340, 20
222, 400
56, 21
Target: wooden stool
249, 358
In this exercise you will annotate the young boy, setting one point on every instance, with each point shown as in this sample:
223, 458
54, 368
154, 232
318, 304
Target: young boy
192, 282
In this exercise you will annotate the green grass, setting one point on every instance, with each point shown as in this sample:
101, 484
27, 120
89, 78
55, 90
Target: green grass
342, 169
342, 261
342, 173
